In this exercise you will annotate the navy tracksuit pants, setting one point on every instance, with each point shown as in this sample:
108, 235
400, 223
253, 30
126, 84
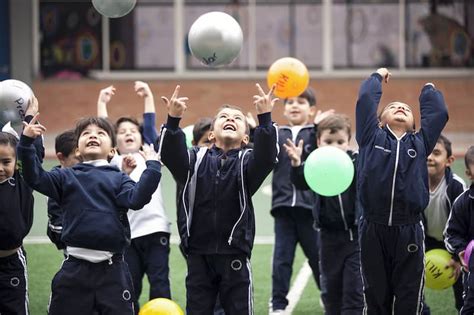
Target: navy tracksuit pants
14, 284
341, 282
149, 254
392, 260
292, 226
82, 287
227, 276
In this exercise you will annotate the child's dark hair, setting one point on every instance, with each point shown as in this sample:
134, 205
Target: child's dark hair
334, 123
308, 94
8, 139
130, 120
469, 157
202, 126
65, 142
446, 143
99, 122
247, 127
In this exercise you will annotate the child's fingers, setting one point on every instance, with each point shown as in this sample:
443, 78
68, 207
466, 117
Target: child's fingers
35, 119
165, 100
260, 90
272, 90
176, 92
300, 144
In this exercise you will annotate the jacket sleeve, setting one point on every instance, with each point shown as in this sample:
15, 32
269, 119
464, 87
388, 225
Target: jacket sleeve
456, 234
434, 116
265, 152
297, 177
173, 149
47, 183
136, 195
150, 135
370, 93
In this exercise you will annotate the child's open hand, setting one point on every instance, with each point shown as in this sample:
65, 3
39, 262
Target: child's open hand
33, 129
142, 89
106, 94
176, 105
264, 102
149, 153
294, 152
384, 73
128, 164
321, 115
33, 107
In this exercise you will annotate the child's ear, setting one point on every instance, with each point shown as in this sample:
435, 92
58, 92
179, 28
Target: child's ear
318, 142
212, 136
312, 111
111, 154
450, 160
77, 153
246, 140
468, 173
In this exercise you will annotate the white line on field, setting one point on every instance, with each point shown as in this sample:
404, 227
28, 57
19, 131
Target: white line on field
298, 287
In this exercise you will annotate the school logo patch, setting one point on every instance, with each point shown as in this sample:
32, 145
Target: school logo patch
15, 281
412, 248
411, 153
236, 265
126, 295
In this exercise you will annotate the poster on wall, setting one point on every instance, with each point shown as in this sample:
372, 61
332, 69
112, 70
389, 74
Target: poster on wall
70, 39
4, 41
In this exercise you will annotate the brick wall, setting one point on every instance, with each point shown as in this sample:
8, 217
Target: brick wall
63, 102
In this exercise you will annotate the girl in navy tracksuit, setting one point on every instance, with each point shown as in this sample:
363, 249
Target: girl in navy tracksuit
336, 217
216, 219
95, 198
16, 211
393, 192
460, 231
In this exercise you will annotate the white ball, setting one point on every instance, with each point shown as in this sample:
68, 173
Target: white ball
215, 38
14, 97
114, 8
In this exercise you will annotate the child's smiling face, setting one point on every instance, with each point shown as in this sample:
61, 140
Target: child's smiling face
7, 161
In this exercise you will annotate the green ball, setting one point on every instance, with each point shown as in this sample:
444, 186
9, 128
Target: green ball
188, 132
438, 277
329, 171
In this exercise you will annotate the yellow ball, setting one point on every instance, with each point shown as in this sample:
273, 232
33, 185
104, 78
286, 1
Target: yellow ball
161, 306
290, 76
436, 273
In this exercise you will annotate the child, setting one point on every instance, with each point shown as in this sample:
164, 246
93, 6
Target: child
95, 198
291, 207
393, 191
337, 219
460, 231
65, 146
215, 217
16, 212
150, 228
201, 131
445, 187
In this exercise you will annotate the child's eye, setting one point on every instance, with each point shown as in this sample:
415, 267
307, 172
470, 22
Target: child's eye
238, 118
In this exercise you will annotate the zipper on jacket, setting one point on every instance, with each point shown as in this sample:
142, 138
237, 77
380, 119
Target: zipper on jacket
184, 199
293, 201
393, 183
341, 206
243, 199
216, 186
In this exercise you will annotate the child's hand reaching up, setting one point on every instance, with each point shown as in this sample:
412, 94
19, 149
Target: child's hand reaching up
33, 129
264, 102
128, 164
143, 89
321, 115
105, 95
33, 107
176, 105
384, 73
149, 153
294, 152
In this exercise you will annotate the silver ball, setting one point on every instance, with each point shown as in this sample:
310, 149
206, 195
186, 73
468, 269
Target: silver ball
215, 39
114, 8
14, 97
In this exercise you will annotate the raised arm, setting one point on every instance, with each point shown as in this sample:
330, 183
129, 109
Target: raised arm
150, 134
47, 183
266, 148
434, 115
172, 146
370, 93
31, 111
136, 195
105, 95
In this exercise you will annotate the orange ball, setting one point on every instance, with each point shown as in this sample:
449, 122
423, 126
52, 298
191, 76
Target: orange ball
161, 306
290, 76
